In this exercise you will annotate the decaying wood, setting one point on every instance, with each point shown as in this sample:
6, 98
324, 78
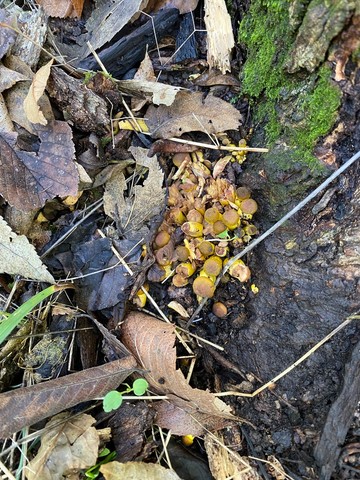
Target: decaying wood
339, 418
79, 104
130, 50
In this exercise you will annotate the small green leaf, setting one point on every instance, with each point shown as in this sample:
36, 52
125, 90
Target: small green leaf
140, 386
223, 234
112, 401
105, 451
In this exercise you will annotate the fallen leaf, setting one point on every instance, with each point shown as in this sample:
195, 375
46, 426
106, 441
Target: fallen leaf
178, 309
188, 410
220, 165
225, 463
220, 38
146, 201
136, 470
214, 77
161, 93
19, 257
9, 77
168, 146
28, 405
103, 289
5, 120
56, 8
37, 88
191, 112
27, 179
71, 444
184, 6
78, 6
145, 70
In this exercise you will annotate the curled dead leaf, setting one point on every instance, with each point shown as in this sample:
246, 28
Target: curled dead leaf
188, 410
36, 90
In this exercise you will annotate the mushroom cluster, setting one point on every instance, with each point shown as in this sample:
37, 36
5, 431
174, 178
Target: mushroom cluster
206, 219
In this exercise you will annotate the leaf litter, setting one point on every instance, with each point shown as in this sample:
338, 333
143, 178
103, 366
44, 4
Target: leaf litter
134, 199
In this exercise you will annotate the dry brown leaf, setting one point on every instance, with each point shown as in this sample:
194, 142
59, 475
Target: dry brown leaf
19, 257
56, 8
226, 464
191, 112
9, 77
160, 93
28, 405
37, 88
220, 37
5, 120
146, 201
78, 6
27, 180
70, 445
178, 309
184, 6
189, 410
214, 77
137, 470
145, 70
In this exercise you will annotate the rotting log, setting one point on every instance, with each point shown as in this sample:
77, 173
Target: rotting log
303, 77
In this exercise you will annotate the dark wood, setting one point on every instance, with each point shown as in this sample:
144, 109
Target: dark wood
127, 52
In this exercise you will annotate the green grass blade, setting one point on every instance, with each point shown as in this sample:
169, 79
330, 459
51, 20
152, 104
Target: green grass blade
12, 321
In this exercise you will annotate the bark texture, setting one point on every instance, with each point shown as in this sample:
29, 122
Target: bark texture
302, 73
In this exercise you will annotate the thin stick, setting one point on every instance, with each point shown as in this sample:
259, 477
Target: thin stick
220, 147
97, 58
97, 204
278, 224
7, 472
165, 443
295, 364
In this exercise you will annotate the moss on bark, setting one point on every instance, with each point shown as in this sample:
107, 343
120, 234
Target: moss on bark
295, 109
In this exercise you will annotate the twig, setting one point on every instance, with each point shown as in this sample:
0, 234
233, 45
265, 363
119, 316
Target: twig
278, 224
97, 58
97, 204
293, 365
220, 147
7, 472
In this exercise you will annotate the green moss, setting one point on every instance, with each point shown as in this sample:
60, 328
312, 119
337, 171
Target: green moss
267, 34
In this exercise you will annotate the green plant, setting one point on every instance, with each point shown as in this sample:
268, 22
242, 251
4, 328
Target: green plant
12, 320
114, 399
107, 456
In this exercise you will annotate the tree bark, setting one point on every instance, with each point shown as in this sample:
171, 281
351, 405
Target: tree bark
302, 75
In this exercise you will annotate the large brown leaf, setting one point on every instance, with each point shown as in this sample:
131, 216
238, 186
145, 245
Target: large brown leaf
27, 179
191, 112
189, 410
29, 405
